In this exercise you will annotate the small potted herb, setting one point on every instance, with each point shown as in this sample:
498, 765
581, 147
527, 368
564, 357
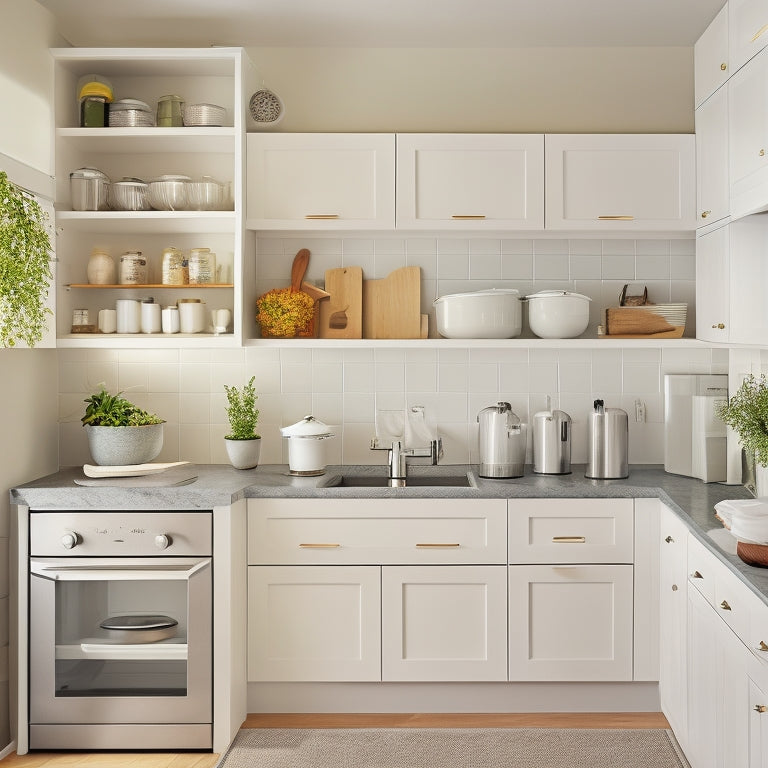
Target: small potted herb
243, 443
746, 412
25, 266
119, 432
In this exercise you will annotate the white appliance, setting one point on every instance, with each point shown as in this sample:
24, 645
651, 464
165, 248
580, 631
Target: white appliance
694, 436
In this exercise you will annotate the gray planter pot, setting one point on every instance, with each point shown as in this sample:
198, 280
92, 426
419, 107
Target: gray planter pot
118, 446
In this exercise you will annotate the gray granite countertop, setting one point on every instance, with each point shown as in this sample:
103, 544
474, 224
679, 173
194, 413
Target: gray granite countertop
220, 485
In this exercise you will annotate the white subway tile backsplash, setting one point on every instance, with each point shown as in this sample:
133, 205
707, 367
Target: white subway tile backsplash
453, 378
641, 377
616, 266
542, 377
485, 266
574, 377
586, 266
551, 266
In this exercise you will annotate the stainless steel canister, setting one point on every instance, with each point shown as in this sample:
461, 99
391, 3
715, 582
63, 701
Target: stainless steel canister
501, 442
551, 442
608, 437
88, 188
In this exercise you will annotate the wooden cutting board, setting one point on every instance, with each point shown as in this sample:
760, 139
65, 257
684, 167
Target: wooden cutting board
341, 317
392, 306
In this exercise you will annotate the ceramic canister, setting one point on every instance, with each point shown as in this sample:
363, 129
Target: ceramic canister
128, 316
101, 268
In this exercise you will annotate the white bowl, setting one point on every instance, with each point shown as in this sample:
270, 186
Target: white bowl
495, 313
558, 314
168, 193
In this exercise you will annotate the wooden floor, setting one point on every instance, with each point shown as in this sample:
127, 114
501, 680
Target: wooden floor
208, 760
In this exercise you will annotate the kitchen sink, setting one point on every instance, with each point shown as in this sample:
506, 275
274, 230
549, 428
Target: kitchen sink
380, 481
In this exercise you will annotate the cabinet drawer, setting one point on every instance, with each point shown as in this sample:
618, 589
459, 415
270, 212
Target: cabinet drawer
701, 569
731, 601
571, 531
376, 531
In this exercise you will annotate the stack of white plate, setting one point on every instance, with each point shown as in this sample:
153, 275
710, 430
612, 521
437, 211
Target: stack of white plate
674, 314
210, 115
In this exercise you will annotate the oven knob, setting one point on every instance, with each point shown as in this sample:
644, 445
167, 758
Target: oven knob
163, 541
70, 539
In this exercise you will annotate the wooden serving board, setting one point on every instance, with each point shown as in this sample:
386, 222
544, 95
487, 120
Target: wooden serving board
392, 306
341, 317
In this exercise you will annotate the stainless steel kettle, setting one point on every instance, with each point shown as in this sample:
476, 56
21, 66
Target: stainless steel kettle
501, 440
608, 438
551, 442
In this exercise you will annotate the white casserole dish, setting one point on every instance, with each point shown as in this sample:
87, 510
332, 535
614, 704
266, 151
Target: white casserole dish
306, 450
495, 313
558, 314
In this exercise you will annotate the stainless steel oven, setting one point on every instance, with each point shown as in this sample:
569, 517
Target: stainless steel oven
120, 630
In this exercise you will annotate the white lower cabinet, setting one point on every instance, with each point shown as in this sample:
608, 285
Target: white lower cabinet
316, 623
570, 622
444, 623
757, 698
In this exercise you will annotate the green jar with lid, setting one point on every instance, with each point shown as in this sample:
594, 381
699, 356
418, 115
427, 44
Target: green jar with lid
170, 111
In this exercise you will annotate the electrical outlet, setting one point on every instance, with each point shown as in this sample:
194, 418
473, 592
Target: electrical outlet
639, 410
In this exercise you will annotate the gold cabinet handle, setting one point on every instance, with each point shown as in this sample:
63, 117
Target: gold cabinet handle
724, 605
318, 546
759, 33
761, 153
761, 708
762, 646
696, 575
719, 326
569, 539
616, 218
704, 214
723, 66
669, 539
436, 545
468, 216
674, 587
322, 216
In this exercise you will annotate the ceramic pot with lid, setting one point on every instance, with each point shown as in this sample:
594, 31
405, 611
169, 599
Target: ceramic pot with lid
495, 313
558, 314
306, 450
88, 187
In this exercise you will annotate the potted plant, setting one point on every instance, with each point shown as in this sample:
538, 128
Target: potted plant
746, 412
243, 443
25, 266
120, 432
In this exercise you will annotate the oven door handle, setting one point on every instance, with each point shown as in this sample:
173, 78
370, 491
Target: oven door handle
145, 572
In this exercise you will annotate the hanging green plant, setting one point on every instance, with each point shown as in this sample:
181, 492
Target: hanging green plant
25, 266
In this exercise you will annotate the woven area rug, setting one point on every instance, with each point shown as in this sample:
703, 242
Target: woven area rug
453, 748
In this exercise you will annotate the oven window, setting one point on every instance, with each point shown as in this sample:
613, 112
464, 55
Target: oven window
121, 638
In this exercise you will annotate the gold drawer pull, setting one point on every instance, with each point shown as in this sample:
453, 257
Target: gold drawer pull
719, 326
319, 546
724, 605
761, 153
705, 214
468, 216
616, 218
322, 216
723, 66
762, 646
759, 33
696, 575
569, 539
761, 708
669, 539
430, 545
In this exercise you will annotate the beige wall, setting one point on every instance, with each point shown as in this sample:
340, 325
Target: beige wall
28, 378
555, 90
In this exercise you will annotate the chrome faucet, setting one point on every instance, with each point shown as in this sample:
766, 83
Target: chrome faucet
397, 458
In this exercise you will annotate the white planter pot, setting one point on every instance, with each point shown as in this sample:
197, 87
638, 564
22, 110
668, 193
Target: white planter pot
243, 454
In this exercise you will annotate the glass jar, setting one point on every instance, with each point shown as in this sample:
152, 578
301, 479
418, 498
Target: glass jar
175, 267
93, 112
202, 266
170, 111
133, 268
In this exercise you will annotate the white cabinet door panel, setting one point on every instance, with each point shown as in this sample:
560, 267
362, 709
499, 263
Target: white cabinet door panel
710, 58
570, 622
571, 530
444, 623
314, 623
748, 280
713, 285
466, 181
620, 182
747, 30
320, 181
712, 187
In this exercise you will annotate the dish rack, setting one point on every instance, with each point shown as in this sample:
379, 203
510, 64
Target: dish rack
646, 321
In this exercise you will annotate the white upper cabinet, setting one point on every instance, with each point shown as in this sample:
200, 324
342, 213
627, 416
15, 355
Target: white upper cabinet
470, 181
747, 30
710, 58
620, 182
748, 137
712, 285
320, 181
712, 190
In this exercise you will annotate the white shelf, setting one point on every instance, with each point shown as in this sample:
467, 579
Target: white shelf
150, 140
146, 222
601, 343
100, 650
146, 340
